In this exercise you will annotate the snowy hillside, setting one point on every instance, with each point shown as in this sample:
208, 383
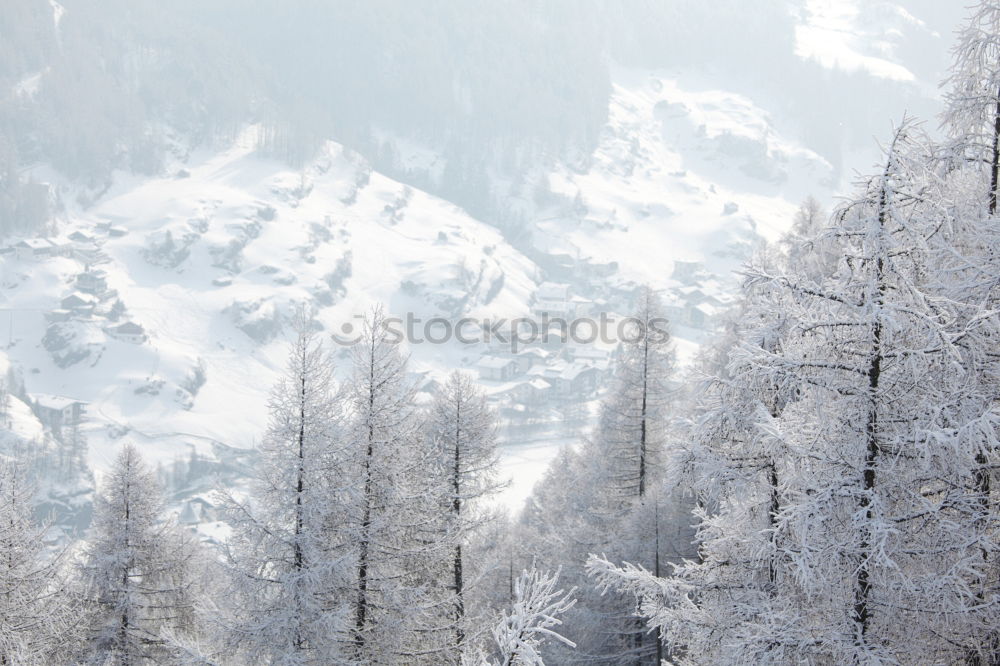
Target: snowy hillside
211, 259
213, 262
204, 264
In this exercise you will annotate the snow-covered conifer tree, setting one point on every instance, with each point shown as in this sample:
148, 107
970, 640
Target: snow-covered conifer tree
137, 570
970, 271
870, 548
972, 117
289, 555
36, 609
635, 413
396, 520
462, 429
628, 453
612, 496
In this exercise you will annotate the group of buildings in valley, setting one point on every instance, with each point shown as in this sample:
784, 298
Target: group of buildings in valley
89, 298
554, 380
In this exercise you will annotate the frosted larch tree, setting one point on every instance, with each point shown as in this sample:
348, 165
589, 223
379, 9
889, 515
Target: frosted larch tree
136, 570
462, 429
289, 555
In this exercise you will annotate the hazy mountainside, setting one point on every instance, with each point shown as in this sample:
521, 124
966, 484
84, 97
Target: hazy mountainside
497, 92
340, 156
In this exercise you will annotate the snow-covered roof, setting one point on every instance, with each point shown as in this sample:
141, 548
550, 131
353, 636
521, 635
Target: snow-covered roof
36, 243
128, 328
54, 401
76, 299
691, 291
190, 514
574, 370
708, 309
552, 291
494, 362
590, 353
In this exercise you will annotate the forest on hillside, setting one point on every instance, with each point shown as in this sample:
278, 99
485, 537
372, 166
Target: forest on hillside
821, 485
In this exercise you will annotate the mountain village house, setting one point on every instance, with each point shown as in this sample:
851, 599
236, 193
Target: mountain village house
496, 368
127, 332
56, 411
33, 248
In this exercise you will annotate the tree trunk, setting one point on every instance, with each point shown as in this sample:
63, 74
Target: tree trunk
772, 569
862, 590
656, 572
642, 416
995, 164
299, 488
125, 624
457, 509
366, 518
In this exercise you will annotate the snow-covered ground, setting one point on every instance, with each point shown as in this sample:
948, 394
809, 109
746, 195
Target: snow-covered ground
214, 260
853, 35
682, 173
222, 246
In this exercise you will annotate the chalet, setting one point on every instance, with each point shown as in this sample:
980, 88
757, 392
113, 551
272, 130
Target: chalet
554, 300
56, 411
586, 354
576, 380
691, 294
92, 281
81, 237
33, 248
530, 357
594, 271
581, 305
496, 368
703, 315
190, 514
127, 332
502, 341
554, 336
61, 247
535, 390
77, 303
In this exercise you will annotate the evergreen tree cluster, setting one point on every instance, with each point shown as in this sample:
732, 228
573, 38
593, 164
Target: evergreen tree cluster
841, 448
822, 487
362, 539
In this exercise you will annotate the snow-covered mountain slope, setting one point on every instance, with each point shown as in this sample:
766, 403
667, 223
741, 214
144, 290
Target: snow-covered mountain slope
211, 258
681, 172
854, 35
210, 262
